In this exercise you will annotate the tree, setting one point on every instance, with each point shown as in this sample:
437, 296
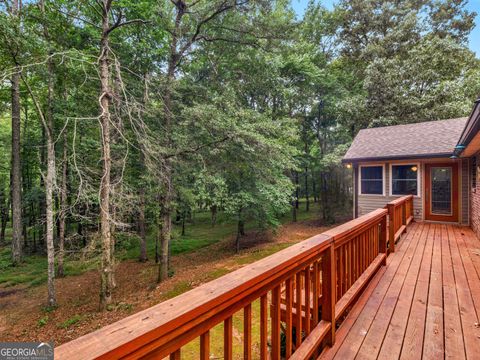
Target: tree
16, 175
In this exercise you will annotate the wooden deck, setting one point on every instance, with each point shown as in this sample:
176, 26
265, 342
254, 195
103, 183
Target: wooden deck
424, 304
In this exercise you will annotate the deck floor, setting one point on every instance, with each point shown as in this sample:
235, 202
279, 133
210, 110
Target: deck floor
425, 304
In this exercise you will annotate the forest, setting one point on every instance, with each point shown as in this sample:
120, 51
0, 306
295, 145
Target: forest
124, 123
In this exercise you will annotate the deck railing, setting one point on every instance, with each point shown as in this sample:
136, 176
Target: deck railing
400, 214
308, 286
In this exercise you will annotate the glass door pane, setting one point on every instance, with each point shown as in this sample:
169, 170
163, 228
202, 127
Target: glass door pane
441, 190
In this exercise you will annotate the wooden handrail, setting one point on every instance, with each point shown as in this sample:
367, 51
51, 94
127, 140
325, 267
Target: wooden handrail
328, 270
400, 214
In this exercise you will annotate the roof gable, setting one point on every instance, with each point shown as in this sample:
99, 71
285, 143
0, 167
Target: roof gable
432, 138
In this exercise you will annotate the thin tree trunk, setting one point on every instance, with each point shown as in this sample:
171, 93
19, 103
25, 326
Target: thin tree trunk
297, 190
43, 202
49, 184
165, 231
184, 215
3, 214
63, 207
141, 226
307, 199
213, 211
240, 231
16, 176
106, 286
167, 186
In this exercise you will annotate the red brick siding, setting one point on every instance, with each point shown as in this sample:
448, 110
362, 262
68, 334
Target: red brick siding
475, 203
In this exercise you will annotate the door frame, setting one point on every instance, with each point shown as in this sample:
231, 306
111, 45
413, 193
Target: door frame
455, 193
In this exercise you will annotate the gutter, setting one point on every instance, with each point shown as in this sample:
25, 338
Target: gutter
471, 129
396, 157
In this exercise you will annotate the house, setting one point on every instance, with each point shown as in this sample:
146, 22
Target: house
435, 161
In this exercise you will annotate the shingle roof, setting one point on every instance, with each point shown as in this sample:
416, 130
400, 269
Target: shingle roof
407, 141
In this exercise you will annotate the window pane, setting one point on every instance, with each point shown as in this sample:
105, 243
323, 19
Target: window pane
372, 187
372, 172
404, 172
404, 187
404, 180
372, 180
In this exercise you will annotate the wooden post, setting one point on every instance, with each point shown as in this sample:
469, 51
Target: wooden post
411, 207
275, 314
383, 238
247, 332
176, 355
205, 346
404, 215
329, 283
391, 227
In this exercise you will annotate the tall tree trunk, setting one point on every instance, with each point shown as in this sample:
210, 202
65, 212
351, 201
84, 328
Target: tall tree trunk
106, 286
141, 211
165, 230
49, 184
213, 211
141, 226
307, 198
3, 213
63, 207
43, 203
184, 215
16, 176
167, 186
240, 231
297, 190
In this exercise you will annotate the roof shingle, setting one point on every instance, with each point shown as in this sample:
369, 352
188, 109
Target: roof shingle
407, 141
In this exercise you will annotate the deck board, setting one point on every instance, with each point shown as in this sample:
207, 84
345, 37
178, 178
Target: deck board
425, 304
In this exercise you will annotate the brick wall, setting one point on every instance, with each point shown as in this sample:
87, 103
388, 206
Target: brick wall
475, 202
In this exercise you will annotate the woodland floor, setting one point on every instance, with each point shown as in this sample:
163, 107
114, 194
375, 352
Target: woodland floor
23, 316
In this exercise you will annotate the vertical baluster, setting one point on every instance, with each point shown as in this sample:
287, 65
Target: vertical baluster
205, 346
328, 291
365, 258
227, 339
353, 260
263, 327
247, 332
307, 300
316, 291
275, 309
341, 276
370, 245
288, 317
298, 308
350, 275
362, 252
176, 355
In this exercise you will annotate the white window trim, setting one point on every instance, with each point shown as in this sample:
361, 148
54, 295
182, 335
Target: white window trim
419, 190
360, 179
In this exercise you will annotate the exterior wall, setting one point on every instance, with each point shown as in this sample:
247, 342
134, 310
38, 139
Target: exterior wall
368, 203
475, 202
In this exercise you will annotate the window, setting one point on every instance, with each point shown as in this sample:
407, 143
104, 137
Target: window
371, 180
405, 179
